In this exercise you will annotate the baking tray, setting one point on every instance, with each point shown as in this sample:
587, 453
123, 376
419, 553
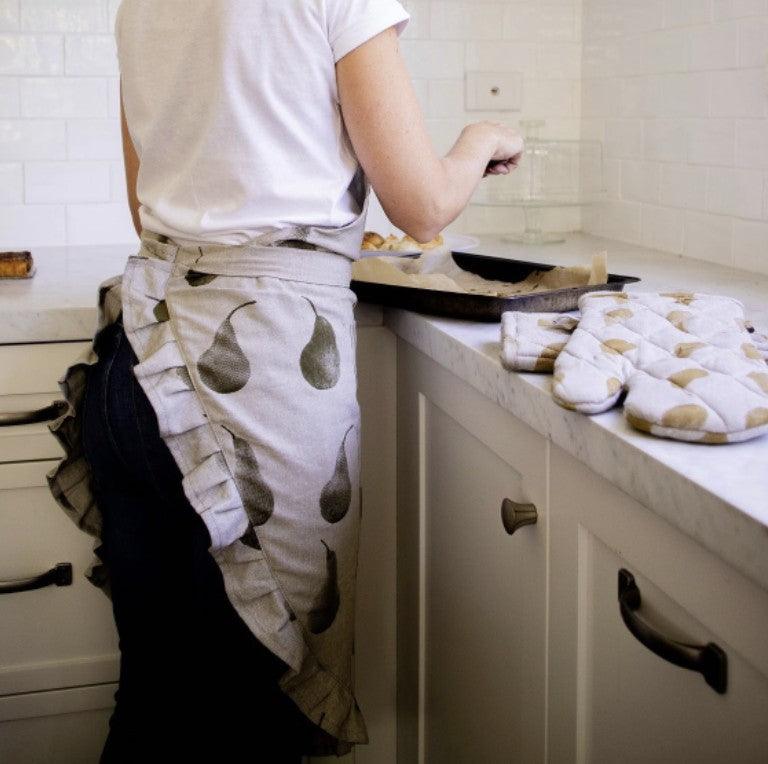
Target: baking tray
478, 307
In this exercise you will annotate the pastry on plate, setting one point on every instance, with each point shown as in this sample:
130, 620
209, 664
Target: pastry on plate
372, 241
15, 264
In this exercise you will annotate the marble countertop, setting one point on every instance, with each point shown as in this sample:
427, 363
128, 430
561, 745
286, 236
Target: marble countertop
59, 302
716, 494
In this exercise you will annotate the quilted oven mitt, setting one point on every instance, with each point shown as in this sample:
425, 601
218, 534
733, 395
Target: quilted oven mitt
687, 362
532, 341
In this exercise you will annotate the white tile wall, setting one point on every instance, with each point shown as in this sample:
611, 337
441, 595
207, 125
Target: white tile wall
59, 127
539, 38
61, 173
678, 89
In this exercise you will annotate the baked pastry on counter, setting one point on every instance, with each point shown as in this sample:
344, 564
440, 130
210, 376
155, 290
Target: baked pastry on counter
15, 264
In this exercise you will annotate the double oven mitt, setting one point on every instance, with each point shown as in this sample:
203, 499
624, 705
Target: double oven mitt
532, 341
686, 361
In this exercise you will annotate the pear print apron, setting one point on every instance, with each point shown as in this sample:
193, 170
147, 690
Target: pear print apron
247, 354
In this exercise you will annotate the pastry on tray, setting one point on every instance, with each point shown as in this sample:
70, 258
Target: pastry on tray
374, 242
15, 265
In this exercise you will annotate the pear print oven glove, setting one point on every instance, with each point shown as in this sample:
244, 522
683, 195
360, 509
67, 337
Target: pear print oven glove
686, 361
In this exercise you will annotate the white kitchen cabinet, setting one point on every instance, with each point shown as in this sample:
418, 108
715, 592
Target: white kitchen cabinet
471, 597
610, 698
58, 645
56, 727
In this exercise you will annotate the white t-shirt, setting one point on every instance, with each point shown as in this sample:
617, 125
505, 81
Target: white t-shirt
233, 109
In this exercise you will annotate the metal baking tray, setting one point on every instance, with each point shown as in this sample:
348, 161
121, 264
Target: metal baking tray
478, 307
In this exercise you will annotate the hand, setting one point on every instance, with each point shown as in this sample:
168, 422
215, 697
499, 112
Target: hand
503, 168
507, 148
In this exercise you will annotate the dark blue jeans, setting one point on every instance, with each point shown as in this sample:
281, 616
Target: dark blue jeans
195, 683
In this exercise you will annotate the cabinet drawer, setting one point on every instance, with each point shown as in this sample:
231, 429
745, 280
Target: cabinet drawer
56, 726
56, 636
632, 705
29, 382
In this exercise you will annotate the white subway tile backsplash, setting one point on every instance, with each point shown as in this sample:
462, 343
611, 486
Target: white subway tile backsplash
640, 181
686, 95
495, 56
63, 97
711, 141
66, 182
24, 139
696, 91
31, 225
750, 245
663, 228
752, 143
94, 139
434, 59
9, 15
736, 9
739, 93
665, 139
735, 192
117, 182
418, 27
686, 13
753, 42
90, 55
453, 20
31, 54
684, 186
108, 223
714, 47
709, 237
63, 15
11, 183
9, 97
624, 139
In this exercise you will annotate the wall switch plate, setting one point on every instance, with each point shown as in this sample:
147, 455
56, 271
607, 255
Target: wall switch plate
494, 91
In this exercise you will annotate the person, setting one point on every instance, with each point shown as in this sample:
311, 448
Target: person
220, 419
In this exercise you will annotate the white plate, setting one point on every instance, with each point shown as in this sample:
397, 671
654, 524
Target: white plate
452, 242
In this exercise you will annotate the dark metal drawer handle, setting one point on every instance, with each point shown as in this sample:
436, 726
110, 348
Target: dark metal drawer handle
61, 575
46, 414
515, 515
709, 660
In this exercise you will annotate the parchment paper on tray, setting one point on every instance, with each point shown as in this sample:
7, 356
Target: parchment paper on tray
437, 270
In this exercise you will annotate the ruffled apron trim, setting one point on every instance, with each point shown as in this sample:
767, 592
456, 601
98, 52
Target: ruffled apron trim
70, 480
208, 479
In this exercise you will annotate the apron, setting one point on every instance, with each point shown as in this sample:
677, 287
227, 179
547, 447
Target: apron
247, 354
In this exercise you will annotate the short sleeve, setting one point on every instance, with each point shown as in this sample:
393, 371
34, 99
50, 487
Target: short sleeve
353, 22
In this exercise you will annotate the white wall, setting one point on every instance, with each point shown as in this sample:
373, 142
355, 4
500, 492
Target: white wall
678, 90
539, 38
61, 171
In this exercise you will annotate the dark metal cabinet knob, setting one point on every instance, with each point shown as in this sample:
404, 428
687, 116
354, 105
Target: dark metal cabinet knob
515, 515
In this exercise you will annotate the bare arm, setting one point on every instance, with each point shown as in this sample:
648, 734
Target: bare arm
420, 191
131, 161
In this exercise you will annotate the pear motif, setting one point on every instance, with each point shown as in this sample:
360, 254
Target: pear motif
224, 367
328, 599
320, 357
160, 310
336, 495
183, 373
258, 499
196, 278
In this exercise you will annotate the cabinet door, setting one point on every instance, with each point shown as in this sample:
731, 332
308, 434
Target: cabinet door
612, 699
56, 636
56, 727
471, 598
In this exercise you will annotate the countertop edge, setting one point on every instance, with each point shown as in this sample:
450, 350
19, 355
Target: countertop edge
724, 529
